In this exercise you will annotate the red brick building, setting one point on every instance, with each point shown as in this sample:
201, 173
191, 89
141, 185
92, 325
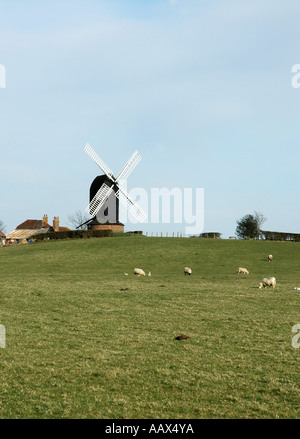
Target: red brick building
25, 231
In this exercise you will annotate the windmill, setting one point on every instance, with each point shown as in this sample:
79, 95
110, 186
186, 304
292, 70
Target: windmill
106, 192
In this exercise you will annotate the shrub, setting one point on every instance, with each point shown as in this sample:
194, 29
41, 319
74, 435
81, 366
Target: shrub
73, 234
214, 235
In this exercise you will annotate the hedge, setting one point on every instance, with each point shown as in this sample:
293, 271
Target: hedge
73, 234
280, 236
213, 235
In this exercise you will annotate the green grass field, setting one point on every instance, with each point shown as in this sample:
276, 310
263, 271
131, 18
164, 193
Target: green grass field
85, 341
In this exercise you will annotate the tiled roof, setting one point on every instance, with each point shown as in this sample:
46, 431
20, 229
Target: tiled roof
30, 228
32, 225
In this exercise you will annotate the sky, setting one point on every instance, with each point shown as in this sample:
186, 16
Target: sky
202, 89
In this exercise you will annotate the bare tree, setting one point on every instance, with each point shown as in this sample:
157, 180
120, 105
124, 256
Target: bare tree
2, 226
78, 220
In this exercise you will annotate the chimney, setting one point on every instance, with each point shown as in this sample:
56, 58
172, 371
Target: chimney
45, 220
56, 224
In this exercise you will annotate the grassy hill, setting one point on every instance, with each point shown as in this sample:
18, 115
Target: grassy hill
85, 341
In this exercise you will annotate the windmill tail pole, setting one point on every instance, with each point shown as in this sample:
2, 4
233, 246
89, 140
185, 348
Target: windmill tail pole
86, 222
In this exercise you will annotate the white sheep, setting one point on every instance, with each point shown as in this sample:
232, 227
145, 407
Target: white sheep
270, 257
188, 271
139, 272
242, 270
267, 282
149, 274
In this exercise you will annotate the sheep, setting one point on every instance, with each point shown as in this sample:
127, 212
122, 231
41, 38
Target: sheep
149, 274
242, 270
139, 272
188, 271
267, 282
270, 257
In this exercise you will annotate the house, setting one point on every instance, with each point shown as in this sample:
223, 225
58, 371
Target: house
2, 239
25, 231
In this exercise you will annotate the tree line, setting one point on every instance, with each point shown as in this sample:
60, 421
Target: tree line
249, 227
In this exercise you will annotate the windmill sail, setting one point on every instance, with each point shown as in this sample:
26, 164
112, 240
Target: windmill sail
129, 167
99, 199
94, 156
131, 205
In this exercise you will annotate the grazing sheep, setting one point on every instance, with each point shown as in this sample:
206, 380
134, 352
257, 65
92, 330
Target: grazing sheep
188, 271
149, 274
267, 282
270, 257
139, 272
241, 270
126, 274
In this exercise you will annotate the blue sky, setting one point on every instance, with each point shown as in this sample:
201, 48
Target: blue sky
201, 89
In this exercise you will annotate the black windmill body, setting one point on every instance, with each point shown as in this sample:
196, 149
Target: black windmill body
109, 212
106, 192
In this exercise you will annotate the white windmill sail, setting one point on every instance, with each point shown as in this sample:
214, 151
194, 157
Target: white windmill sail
94, 156
99, 199
129, 167
131, 205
